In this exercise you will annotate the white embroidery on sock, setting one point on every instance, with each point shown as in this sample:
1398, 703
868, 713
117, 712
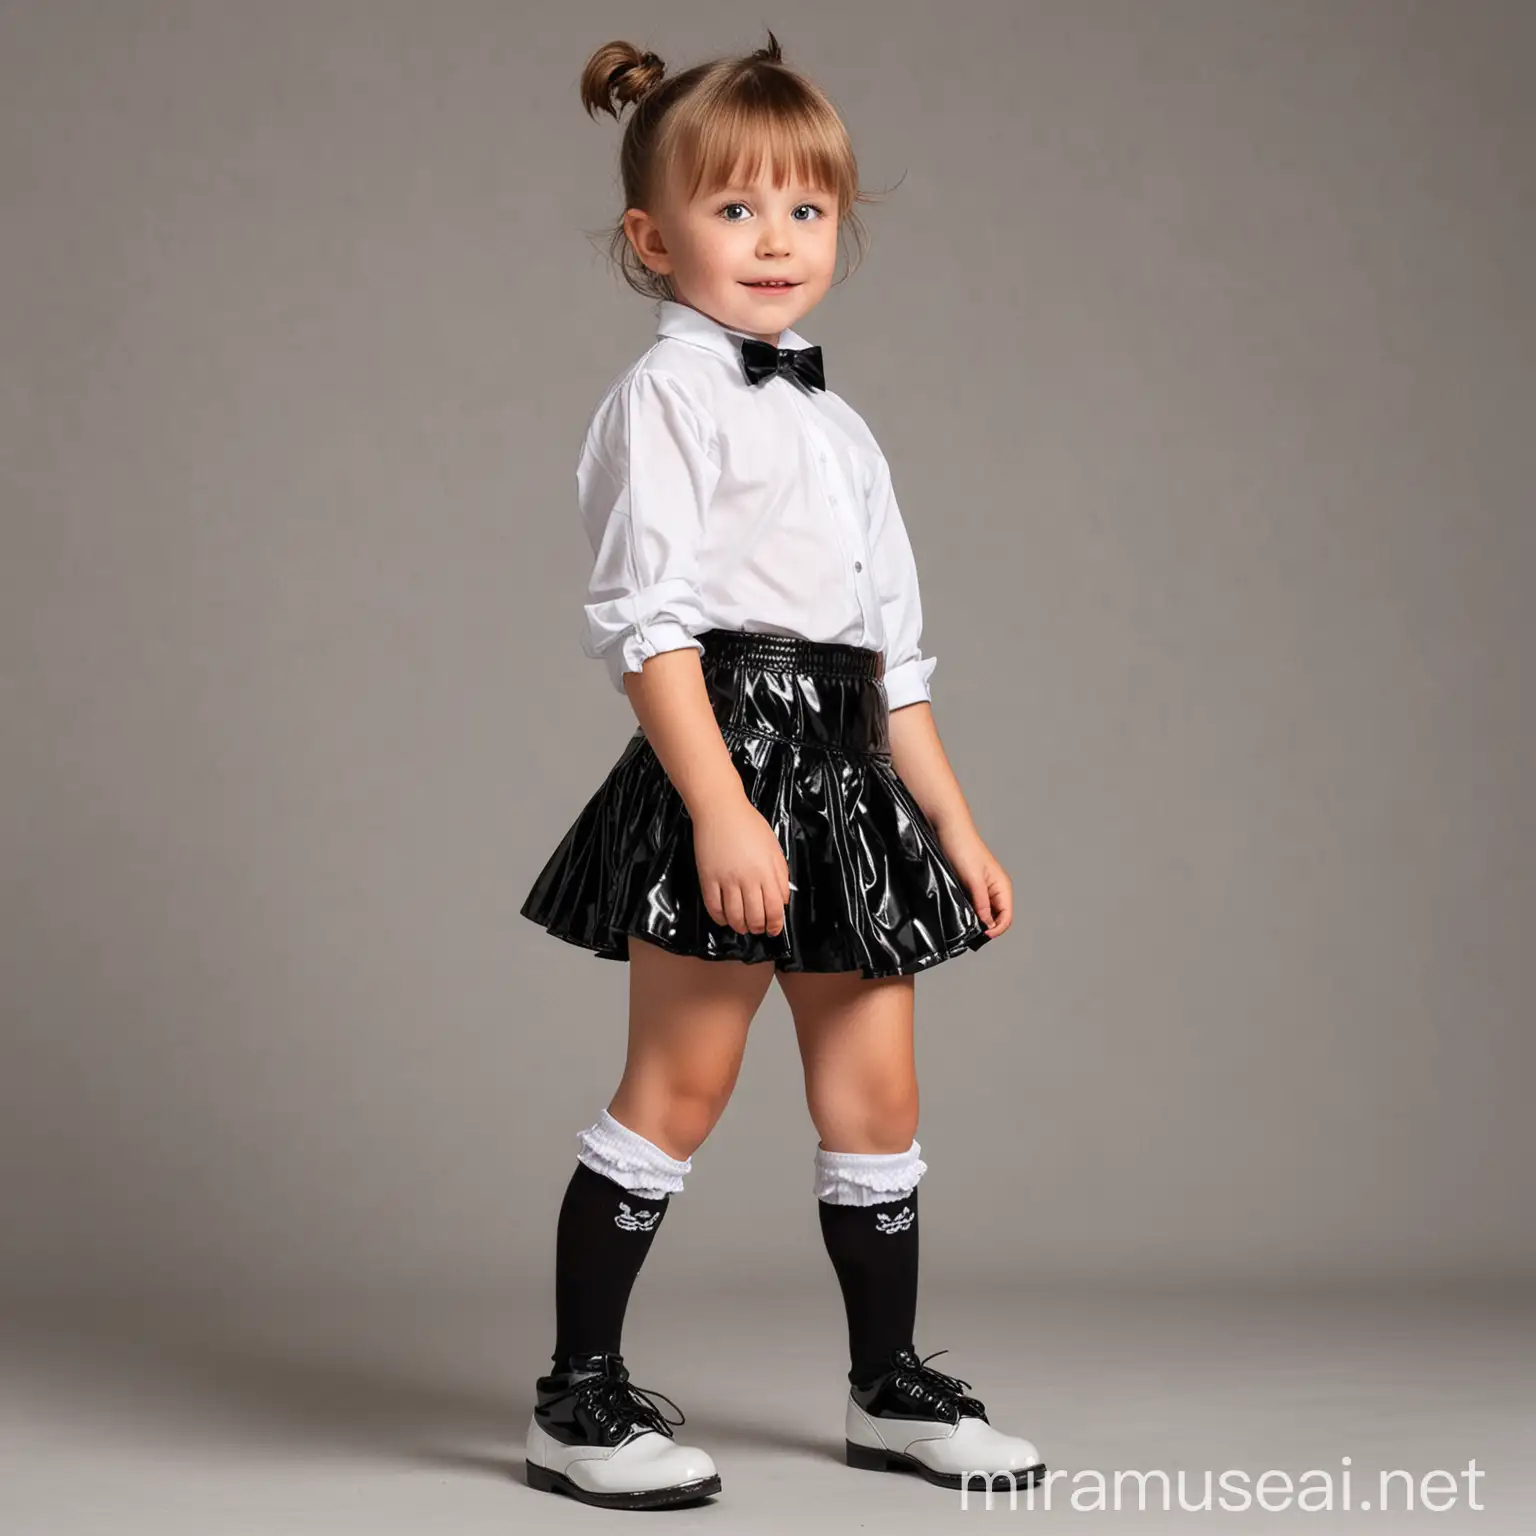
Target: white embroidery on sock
899, 1222
634, 1221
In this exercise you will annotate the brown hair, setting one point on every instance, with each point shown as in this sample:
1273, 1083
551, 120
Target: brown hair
709, 120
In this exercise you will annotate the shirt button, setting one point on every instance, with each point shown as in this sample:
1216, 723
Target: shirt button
858, 565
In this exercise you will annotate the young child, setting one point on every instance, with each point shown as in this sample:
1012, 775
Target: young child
784, 805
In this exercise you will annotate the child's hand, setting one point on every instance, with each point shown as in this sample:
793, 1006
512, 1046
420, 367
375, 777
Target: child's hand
986, 881
742, 870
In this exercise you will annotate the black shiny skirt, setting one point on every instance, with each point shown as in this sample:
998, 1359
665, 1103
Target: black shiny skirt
808, 728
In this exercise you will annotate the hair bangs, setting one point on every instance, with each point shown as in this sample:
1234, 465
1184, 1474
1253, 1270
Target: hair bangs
754, 126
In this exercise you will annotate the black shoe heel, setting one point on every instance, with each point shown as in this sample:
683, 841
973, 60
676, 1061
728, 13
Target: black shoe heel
870, 1459
541, 1477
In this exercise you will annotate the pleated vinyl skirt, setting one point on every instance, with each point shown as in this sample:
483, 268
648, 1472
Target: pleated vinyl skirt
807, 725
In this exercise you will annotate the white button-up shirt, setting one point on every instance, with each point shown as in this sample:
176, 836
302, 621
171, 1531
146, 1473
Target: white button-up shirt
713, 503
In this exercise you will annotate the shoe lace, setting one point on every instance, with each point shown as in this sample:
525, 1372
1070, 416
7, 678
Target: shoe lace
618, 1404
946, 1391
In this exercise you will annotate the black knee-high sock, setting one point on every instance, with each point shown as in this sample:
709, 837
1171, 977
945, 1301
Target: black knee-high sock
874, 1251
604, 1234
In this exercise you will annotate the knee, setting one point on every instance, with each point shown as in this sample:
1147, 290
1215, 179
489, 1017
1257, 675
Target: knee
875, 1116
890, 1122
677, 1119
687, 1120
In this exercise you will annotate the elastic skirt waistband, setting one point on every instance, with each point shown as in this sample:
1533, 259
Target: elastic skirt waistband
790, 653
782, 688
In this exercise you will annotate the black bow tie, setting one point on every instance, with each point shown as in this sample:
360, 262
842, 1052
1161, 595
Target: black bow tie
761, 360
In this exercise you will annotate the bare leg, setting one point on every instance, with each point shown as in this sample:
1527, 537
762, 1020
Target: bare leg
688, 1022
856, 1049
687, 1033
861, 1086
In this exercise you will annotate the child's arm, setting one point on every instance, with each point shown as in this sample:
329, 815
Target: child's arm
916, 751
648, 468
907, 669
915, 747
924, 767
920, 761
647, 471
672, 704
743, 874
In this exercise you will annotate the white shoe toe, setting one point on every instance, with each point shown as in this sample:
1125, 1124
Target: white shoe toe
978, 1446
647, 1461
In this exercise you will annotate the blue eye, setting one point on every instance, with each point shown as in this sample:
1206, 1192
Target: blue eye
819, 211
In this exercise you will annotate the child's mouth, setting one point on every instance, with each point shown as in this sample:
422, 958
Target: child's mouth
771, 286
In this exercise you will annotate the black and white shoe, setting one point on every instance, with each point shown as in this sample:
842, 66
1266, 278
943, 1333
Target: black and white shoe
596, 1438
914, 1418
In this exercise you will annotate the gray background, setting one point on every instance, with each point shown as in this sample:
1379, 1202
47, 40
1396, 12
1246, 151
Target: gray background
1199, 336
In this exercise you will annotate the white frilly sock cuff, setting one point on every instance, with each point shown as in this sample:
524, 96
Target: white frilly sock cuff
628, 1158
867, 1178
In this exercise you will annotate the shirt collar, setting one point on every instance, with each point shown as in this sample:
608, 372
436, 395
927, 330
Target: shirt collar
692, 325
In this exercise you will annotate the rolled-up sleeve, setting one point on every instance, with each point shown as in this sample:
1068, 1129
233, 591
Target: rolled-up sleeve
647, 470
907, 670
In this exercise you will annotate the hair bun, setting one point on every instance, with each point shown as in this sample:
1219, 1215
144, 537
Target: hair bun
627, 85
619, 74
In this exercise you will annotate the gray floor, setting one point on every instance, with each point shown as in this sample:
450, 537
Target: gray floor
405, 1417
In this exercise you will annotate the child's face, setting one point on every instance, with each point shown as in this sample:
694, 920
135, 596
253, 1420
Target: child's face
717, 244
